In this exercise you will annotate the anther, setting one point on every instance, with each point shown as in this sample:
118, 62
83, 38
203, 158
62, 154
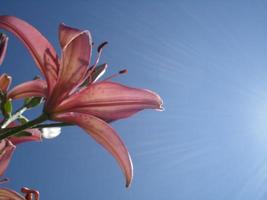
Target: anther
4, 180
99, 51
101, 46
124, 71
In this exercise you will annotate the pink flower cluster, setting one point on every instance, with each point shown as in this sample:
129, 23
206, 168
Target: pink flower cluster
70, 93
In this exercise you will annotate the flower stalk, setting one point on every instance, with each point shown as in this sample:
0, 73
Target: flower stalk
8, 132
14, 117
52, 125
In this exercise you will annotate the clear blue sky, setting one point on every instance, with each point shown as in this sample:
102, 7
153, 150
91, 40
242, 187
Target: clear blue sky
208, 61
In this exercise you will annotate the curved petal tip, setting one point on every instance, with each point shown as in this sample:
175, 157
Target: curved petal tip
105, 135
129, 178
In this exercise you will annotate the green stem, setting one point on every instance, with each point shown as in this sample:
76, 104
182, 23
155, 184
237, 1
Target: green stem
14, 117
13, 131
52, 125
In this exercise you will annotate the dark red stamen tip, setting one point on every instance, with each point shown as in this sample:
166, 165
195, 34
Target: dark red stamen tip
101, 46
4, 180
124, 71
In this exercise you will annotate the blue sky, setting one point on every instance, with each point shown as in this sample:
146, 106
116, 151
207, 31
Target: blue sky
207, 59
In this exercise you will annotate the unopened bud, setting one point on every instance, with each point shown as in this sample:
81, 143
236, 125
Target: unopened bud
5, 82
7, 107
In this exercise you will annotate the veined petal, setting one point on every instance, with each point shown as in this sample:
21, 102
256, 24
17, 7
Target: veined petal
74, 63
7, 194
35, 42
6, 151
36, 88
36, 136
3, 47
104, 135
111, 101
5, 82
66, 34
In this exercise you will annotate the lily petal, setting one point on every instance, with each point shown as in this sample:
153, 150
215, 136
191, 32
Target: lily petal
37, 88
66, 34
3, 47
36, 136
35, 42
111, 101
5, 82
104, 135
7, 149
7, 194
75, 60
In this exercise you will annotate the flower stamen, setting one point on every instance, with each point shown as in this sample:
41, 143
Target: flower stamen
124, 71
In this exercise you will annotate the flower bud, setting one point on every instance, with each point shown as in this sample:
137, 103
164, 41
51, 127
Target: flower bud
7, 108
5, 82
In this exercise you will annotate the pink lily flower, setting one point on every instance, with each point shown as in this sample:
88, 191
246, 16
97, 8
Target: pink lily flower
8, 194
91, 106
7, 146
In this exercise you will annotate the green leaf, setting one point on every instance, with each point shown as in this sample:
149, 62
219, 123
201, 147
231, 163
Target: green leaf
33, 102
27, 100
22, 119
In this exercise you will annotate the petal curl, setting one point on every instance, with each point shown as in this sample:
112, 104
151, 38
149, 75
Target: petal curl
66, 34
104, 135
111, 101
5, 82
7, 194
36, 88
75, 60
